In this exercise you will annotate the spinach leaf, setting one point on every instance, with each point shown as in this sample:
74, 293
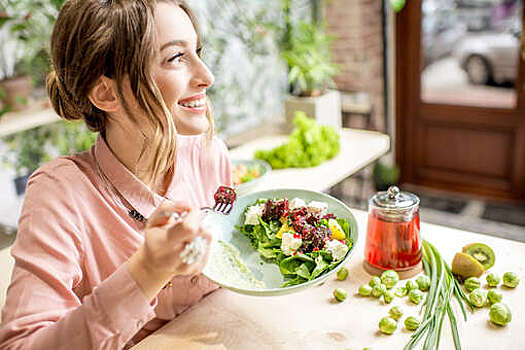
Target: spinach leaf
294, 281
303, 271
289, 265
320, 266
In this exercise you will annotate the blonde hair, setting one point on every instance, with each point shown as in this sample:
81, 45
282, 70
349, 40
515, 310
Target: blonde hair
114, 38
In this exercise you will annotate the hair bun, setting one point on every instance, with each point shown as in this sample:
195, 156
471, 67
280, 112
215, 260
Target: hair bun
59, 99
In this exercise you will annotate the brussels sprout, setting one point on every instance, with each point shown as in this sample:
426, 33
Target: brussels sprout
411, 285
510, 279
472, 283
365, 290
388, 296
340, 294
395, 312
494, 296
374, 281
415, 296
423, 282
411, 323
389, 278
500, 314
401, 292
342, 274
492, 280
387, 325
378, 290
478, 298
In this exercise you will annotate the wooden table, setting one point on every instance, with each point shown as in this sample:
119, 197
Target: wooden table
311, 319
359, 148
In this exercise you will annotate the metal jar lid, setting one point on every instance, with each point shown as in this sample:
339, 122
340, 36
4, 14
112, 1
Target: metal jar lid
394, 203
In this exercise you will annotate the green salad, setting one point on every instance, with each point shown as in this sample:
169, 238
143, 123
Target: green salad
303, 239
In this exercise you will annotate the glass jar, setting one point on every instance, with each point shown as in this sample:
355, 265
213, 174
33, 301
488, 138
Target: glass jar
393, 240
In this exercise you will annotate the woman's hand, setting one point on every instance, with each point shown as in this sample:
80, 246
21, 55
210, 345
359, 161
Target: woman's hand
159, 258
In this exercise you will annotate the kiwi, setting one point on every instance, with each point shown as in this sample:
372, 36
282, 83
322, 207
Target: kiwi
482, 253
466, 266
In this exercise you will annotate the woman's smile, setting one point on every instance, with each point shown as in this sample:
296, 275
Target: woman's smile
194, 104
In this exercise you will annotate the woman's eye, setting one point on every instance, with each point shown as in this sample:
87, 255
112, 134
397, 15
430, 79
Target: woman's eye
176, 57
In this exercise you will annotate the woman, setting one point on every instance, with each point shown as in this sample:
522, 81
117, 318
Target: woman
98, 257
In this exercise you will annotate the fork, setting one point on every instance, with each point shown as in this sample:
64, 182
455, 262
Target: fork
194, 251
224, 198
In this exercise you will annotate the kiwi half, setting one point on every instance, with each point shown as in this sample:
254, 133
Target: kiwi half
482, 253
466, 266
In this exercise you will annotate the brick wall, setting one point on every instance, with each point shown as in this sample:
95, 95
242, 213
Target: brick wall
358, 48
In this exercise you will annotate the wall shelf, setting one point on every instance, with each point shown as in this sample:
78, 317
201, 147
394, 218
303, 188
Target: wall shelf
38, 115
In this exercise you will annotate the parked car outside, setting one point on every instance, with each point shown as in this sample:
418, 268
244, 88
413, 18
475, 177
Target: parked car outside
489, 57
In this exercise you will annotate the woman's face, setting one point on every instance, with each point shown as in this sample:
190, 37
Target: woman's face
178, 70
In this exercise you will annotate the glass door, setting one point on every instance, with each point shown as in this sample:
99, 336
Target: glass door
460, 115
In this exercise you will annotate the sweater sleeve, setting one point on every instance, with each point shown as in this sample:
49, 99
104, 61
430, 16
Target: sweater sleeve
43, 309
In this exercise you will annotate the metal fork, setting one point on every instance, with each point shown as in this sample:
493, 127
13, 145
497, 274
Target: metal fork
224, 198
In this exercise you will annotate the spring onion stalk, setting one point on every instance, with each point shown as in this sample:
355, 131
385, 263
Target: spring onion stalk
438, 303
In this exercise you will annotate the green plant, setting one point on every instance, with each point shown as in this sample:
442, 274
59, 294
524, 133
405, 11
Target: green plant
29, 149
309, 60
385, 175
309, 144
438, 303
25, 29
72, 137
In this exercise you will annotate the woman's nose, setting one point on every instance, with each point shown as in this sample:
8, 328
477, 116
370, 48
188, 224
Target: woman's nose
203, 77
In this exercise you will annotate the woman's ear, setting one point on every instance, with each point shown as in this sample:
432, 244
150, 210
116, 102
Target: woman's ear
104, 95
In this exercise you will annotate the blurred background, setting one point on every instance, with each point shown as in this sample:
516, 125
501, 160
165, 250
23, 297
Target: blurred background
443, 78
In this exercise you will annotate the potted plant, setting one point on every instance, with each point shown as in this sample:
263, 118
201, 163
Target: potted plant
28, 150
70, 137
25, 28
385, 175
310, 74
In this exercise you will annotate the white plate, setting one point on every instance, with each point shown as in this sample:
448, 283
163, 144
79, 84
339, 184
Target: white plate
219, 268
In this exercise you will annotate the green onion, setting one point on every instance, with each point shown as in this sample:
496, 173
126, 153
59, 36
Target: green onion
438, 304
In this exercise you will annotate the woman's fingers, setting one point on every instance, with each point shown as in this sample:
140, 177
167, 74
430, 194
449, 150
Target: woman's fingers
166, 213
186, 228
182, 243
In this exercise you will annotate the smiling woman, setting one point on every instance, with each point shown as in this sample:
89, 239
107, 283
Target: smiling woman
98, 255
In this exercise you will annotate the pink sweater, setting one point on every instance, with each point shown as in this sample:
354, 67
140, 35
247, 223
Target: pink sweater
70, 288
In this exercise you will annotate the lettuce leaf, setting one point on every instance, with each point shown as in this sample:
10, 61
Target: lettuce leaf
309, 144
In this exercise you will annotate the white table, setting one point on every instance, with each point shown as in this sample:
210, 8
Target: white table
359, 148
311, 319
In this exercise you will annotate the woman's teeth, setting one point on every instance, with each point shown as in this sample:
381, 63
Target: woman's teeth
195, 103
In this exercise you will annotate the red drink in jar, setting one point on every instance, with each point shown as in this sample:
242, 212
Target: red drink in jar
393, 240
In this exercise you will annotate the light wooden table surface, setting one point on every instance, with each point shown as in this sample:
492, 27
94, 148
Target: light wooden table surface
311, 319
359, 148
